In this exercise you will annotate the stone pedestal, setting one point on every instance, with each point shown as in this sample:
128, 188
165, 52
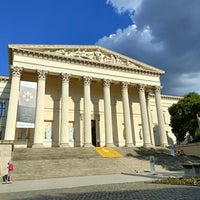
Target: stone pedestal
47, 143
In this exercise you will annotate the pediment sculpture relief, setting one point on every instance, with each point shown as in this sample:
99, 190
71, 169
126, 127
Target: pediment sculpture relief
94, 55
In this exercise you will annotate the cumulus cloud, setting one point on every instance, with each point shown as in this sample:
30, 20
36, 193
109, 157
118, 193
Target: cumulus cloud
164, 34
125, 5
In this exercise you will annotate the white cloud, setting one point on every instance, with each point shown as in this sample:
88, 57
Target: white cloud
164, 34
122, 6
132, 38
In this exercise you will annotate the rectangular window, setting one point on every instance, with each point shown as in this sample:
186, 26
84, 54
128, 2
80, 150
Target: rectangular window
2, 109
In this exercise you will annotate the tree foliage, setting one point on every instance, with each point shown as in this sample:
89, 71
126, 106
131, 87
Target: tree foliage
184, 115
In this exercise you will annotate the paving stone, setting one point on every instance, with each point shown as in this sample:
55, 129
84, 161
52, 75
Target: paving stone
125, 191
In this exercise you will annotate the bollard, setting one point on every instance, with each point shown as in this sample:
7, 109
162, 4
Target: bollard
152, 165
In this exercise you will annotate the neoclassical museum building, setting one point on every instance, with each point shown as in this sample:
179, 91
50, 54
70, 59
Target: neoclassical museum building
82, 96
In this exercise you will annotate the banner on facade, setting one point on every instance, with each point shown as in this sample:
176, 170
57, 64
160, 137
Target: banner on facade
26, 106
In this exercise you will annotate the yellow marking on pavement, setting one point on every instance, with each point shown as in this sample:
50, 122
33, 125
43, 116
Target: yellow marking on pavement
108, 152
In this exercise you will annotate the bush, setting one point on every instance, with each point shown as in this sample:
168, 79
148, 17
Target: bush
197, 135
179, 181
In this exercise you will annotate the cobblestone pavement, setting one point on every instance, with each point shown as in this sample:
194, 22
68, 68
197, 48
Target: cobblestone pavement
117, 191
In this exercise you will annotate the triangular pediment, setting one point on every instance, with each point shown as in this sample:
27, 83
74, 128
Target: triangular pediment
92, 53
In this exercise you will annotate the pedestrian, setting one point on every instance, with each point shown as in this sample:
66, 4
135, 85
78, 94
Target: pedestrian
10, 170
172, 151
152, 165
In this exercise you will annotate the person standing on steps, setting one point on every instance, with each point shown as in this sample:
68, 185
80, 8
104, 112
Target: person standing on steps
10, 170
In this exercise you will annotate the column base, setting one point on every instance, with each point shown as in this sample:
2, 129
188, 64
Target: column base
110, 145
164, 145
88, 145
64, 145
129, 145
47, 143
38, 145
148, 145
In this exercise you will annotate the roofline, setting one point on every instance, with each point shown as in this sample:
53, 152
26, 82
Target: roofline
52, 46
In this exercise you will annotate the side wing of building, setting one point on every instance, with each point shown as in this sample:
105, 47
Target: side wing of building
167, 101
4, 99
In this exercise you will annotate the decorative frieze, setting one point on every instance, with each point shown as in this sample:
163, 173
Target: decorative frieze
95, 55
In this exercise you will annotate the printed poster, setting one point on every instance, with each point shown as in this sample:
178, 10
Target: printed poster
26, 106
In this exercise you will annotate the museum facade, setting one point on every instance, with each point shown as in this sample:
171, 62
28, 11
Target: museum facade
73, 96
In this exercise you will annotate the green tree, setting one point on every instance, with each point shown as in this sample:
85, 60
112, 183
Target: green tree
184, 116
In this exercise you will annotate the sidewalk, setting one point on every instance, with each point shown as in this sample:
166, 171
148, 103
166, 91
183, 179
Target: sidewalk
70, 182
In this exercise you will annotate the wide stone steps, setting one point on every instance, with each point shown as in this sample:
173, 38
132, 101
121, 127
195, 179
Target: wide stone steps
53, 153
62, 162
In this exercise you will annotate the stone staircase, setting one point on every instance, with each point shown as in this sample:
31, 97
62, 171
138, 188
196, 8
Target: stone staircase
32, 163
53, 153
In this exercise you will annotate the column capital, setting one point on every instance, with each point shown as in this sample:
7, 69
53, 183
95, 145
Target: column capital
42, 74
16, 71
157, 88
86, 80
141, 87
124, 85
106, 82
65, 77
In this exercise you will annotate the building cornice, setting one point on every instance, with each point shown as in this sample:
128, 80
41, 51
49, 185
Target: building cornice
60, 53
4, 78
170, 97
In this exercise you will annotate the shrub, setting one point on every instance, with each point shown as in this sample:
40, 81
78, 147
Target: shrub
179, 181
197, 135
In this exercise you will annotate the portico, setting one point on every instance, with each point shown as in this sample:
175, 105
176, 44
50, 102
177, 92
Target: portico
87, 95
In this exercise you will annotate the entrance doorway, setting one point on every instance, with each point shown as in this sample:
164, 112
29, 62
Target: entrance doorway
93, 132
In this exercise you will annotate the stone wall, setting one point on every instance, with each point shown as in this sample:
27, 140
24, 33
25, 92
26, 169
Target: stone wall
189, 149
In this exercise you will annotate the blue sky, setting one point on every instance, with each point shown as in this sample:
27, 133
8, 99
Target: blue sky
164, 34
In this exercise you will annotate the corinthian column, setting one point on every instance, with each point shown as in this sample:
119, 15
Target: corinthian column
64, 139
13, 101
161, 124
145, 123
108, 113
39, 115
150, 121
127, 120
87, 112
